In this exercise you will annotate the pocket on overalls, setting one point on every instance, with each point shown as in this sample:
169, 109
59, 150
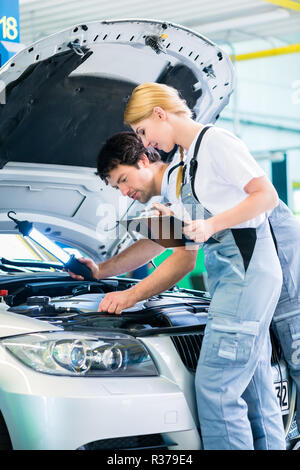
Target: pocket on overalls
230, 344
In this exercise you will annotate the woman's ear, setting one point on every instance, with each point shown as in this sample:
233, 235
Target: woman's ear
160, 113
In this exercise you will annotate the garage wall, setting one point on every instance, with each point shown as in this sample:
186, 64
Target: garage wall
265, 111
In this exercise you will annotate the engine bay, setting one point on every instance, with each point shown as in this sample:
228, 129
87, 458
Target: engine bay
73, 305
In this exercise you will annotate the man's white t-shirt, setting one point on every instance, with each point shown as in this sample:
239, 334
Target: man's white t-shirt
225, 167
168, 189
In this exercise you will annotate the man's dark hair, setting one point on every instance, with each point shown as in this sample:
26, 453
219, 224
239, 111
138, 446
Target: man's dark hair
124, 148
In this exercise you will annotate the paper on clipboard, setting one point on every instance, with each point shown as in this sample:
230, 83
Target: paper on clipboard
166, 230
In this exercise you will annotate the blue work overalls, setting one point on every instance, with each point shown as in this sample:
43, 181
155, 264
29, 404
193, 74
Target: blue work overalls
286, 319
237, 405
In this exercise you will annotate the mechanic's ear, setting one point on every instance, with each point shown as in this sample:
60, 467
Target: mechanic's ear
144, 161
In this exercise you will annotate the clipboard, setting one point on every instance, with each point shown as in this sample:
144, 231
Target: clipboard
166, 230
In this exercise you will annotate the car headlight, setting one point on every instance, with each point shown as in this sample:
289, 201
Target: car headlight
68, 353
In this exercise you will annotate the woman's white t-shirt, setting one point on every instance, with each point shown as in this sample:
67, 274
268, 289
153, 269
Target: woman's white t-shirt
225, 167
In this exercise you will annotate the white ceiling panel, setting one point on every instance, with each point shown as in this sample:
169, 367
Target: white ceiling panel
220, 20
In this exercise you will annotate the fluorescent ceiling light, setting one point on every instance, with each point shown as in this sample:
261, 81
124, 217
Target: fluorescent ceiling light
244, 21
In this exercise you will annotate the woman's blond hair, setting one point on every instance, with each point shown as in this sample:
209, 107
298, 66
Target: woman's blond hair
147, 96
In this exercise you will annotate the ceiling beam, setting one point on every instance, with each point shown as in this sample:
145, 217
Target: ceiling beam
290, 4
292, 48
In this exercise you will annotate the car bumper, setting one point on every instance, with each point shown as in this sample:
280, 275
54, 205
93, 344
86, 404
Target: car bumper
51, 412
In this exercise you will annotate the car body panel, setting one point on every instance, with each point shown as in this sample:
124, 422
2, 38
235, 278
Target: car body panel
12, 324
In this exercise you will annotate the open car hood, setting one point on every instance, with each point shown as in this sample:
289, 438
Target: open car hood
66, 94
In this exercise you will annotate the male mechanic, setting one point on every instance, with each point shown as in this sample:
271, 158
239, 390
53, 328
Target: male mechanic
139, 173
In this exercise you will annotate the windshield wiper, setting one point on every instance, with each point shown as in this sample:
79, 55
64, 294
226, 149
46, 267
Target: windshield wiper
31, 264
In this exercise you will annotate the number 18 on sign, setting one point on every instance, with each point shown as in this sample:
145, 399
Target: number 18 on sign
9, 20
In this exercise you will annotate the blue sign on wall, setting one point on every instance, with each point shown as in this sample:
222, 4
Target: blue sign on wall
9, 20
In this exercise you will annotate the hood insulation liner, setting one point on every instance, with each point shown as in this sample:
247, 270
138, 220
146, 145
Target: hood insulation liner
54, 118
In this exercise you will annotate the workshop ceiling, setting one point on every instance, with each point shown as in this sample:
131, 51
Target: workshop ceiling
220, 20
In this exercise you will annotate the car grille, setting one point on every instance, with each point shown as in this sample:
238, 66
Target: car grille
145, 442
188, 348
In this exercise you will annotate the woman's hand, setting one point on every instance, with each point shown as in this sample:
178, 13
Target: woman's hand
161, 209
198, 230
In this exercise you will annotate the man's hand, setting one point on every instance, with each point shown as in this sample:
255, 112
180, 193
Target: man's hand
90, 264
115, 302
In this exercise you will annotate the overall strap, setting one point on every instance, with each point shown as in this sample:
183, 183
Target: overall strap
174, 168
194, 162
